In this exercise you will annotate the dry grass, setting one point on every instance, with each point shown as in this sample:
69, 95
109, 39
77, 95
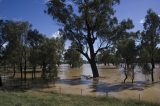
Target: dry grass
53, 99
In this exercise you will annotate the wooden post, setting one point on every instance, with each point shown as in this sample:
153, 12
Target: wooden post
139, 97
60, 90
106, 93
0, 80
81, 92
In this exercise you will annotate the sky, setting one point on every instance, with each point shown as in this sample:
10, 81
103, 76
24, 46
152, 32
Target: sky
33, 12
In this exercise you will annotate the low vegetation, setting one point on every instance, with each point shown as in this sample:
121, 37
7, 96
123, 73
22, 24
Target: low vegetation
54, 99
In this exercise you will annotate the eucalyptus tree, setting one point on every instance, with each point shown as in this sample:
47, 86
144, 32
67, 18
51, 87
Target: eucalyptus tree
84, 21
157, 58
107, 57
35, 40
16, 35
23, 27
52, 58
73, 57
4, 48
150, 38
48, 56
11, 56
124, 44
60, 49
2, 37
3, 43
104, 57
127, 51
67, 57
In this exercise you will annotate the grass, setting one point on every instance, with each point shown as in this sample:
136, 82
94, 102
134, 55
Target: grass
53, 99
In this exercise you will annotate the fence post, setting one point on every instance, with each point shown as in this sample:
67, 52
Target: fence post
106, 93
60, 90
81, 92
139, 97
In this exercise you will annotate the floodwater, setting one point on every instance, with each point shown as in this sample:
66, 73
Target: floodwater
79, 81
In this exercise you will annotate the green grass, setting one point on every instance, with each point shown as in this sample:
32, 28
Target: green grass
54, 99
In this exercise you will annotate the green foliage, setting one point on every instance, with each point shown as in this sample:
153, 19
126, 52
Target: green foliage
92, 21
16, 35
106, 57
35, 40
2, 39
25, 47
73, 57
60, 49
150, 38
157, 56
127, 51
48, 56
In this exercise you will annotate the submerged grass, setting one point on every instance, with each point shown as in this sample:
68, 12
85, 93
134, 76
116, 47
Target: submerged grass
54, 99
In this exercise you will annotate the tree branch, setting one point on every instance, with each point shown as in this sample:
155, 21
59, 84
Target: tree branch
101, 48
85, 54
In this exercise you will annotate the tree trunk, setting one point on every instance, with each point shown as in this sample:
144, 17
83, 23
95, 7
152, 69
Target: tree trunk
132, 76
58, 64
5, 66
0, 80
126, 76
34, 70
25, 72
152, 72
43, 70
25, 66
14, 70
20, 66
92, 59
125, 73
94, 69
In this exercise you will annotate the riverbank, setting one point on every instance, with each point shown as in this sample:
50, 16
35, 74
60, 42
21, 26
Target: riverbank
110, 83
36, 98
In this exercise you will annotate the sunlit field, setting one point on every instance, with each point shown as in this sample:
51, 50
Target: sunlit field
79, 52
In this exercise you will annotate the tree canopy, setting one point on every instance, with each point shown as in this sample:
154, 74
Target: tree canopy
88, 23
150, 38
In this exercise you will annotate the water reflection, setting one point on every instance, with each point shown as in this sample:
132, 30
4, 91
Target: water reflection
110, 80
74, 81
140, 77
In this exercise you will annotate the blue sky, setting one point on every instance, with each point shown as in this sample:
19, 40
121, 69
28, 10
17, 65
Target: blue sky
33, 11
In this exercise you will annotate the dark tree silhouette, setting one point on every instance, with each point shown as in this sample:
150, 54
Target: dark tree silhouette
86, 22
35, 40
150, 38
